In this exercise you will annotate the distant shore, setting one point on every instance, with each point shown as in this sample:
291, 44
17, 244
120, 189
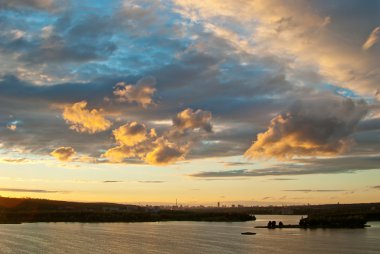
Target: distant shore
16, 210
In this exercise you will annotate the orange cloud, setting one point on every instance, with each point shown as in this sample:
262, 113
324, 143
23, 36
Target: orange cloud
130, 134
165, 153
12, 127
372, 39
141, 93
119, 153
134, 140
63, 153
320, 127
189, 119
81, 119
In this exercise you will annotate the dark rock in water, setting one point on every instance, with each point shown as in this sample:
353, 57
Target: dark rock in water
248, 233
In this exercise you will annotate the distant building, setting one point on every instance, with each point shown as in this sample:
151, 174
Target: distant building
218, 204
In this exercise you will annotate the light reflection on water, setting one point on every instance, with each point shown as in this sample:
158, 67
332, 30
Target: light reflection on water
185, 237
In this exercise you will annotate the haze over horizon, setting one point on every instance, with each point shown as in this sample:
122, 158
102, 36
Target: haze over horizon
244, 102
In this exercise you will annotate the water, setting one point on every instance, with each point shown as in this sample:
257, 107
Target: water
185, 237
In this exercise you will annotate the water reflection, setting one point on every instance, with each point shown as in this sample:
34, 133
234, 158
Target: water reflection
185, 237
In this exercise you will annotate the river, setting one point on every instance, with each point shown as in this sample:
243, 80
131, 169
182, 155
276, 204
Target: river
185, 237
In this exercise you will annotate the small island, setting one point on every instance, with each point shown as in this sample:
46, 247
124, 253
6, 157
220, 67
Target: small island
324, 221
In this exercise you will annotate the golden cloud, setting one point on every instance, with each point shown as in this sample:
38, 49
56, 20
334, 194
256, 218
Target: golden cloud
165, 153
130, 134
81, 119
141, 93
189, 119
12, 127
119, 153
63, 153
372, 39
319, 127
135, 141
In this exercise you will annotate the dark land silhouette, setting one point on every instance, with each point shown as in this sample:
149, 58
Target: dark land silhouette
21, 210
14, 210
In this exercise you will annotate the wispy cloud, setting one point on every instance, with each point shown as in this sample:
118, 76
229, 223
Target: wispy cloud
283, 179
303, 167
112, 181
232, 164
372, 39
309, 190
30, 190
151, 181
14, 160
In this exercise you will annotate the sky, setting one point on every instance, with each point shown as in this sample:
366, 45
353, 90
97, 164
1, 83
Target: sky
253, 102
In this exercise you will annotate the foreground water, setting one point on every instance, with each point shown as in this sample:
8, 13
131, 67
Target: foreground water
185, 237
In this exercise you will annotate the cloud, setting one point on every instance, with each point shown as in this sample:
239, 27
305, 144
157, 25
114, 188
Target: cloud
151, 181
81, 119
313, 36
38, 4
243, 68
141, 93
112, 181
376, 187
63, 153
134, 140
155, 152
119, 153
372, 39
308, 190
14, 160
189, 119
283, 179
165, 152
232, 164
30, 190
131, 134
319, 126
12, 127
302, 167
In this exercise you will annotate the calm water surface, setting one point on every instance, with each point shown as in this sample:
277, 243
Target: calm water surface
185, 237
